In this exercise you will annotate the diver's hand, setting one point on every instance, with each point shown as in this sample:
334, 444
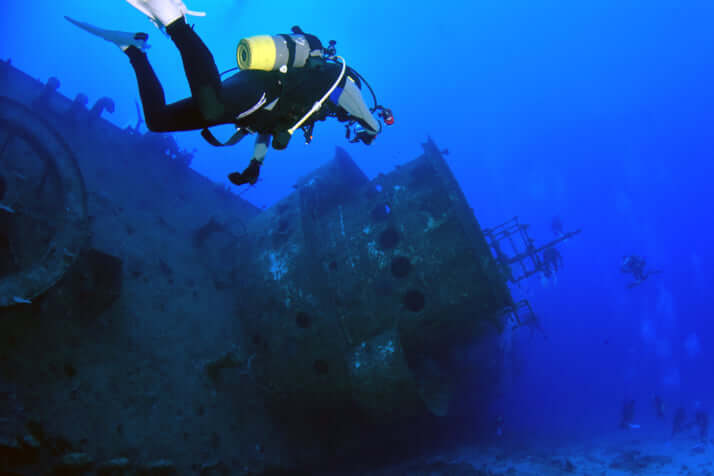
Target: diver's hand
364, 136
249, 175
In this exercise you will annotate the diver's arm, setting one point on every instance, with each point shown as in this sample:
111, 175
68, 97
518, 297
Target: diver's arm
252, 172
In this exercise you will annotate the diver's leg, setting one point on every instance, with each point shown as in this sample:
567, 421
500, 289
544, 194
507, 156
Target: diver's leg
262, 142
181, 116
200, 68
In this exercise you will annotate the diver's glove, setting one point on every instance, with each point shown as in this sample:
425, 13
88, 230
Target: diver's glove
249, 175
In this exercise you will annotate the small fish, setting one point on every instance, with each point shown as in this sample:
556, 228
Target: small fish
659, 406
499, 426
678, 424
19, 300
701, 422
628, 413
6, 208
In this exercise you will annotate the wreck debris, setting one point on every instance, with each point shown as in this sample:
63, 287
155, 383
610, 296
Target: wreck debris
79, 105
165, 144
96, 281
102, 104
39, 453
160, 468
139, 118
113, 467
526, 258
4, 68
205, 231
227, 361
43, 100
49, 227
74, 463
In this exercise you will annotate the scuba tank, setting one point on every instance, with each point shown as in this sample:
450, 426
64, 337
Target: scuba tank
279, 52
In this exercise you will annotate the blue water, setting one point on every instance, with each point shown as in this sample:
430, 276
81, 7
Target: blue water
600, 113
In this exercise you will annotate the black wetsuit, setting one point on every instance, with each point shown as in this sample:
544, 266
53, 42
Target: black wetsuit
213, 102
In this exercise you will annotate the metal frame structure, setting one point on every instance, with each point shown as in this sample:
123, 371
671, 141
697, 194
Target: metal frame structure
523, 253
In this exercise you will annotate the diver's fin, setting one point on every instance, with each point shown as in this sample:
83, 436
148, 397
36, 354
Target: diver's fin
122, 39
163, 12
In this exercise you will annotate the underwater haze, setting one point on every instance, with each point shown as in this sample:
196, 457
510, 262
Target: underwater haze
597, 113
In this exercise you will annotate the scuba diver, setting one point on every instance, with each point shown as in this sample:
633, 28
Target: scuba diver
628, 415
285, 83
635, 265
659, 406
552, 261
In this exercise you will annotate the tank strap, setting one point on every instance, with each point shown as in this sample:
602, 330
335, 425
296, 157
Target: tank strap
234, 139
291, 50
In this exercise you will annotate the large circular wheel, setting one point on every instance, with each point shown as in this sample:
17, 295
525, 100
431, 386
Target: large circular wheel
43, 205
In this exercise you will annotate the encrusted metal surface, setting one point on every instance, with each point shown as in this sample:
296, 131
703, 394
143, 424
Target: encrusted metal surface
43, 220
358, 289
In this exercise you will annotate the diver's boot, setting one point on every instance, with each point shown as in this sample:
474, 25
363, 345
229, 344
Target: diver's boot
122, 39
249, 175
163, 12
